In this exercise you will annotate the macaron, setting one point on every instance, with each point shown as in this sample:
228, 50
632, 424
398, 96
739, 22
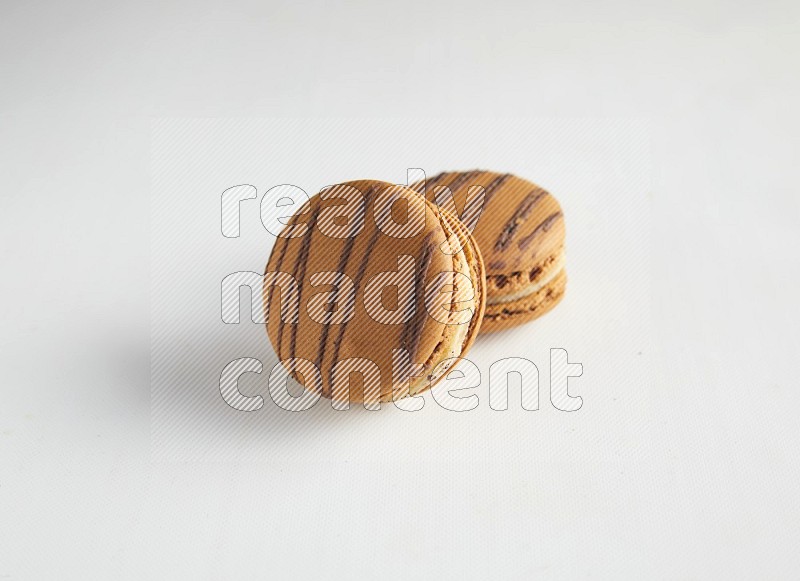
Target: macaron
520, 233
372, 293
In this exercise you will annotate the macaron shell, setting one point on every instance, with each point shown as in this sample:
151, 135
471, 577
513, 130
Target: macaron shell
360, 257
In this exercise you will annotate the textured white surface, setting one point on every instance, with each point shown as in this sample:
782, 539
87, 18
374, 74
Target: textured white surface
604, 323
690, 472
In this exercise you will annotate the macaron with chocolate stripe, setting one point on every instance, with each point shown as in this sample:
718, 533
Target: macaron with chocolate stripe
519, 228
371, 292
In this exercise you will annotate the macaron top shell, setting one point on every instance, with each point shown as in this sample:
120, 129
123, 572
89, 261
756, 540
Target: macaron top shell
407, 235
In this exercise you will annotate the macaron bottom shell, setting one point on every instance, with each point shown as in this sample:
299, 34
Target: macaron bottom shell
501, 316
457, 338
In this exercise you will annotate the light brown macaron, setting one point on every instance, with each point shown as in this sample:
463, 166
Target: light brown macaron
520, 233
385, 282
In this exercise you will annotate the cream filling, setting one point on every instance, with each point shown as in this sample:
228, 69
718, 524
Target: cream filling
529, 290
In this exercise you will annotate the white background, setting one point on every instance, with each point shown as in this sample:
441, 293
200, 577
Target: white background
704, 485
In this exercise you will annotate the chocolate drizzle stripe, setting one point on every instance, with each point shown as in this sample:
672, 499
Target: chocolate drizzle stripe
519, 216
299, 272
462, 179
424, 185
413, 329
473, 210
342, 268
494, 186
359, 278
543, 227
